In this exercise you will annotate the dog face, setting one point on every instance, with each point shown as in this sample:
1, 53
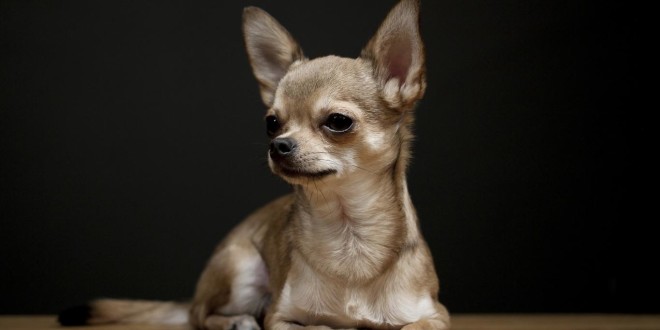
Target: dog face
327, 121
335, 118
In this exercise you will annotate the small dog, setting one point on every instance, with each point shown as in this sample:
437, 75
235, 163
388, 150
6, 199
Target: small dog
344, 250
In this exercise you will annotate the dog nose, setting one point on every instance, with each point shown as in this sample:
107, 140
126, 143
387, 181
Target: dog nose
282, 147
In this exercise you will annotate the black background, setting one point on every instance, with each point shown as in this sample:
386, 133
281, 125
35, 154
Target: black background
131, 140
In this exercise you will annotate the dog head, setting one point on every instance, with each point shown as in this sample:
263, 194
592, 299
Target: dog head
332, 118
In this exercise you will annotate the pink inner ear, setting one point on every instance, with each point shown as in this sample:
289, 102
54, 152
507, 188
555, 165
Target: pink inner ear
399, 60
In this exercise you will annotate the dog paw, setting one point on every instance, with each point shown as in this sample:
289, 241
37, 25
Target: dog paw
239, 322
427, 325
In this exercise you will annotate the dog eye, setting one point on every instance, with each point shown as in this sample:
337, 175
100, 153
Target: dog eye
272, 125
338, 123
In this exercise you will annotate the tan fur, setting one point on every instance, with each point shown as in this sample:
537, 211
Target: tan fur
136, 311
344, 250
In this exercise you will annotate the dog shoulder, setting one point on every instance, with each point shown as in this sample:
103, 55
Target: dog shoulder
271, 231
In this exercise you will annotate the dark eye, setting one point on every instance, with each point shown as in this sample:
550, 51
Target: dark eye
338, 123
272, 125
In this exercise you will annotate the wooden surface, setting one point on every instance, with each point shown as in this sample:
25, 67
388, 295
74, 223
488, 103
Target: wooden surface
460, 322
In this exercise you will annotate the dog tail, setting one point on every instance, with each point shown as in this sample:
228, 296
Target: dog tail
106, 311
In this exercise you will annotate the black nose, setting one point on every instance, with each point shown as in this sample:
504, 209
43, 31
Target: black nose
282, 147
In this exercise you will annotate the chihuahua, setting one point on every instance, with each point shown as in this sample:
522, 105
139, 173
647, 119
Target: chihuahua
344, 250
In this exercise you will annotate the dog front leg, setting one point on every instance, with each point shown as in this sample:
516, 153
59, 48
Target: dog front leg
295, 326
440, 321
427, 324
273, 322
237, 322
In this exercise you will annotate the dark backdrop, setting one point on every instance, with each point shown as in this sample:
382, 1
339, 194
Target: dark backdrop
131, 140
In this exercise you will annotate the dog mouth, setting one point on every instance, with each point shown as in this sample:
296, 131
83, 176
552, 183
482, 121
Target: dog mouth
300, 173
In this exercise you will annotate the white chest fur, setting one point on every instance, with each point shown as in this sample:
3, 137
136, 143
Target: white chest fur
387, 302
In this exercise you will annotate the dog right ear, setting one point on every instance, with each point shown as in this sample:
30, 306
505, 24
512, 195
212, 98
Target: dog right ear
271, 50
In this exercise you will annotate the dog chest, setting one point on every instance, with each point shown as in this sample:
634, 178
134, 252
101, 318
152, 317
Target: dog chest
310, 299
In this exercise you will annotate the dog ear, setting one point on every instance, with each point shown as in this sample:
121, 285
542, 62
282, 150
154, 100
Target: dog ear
397, 55
271, 50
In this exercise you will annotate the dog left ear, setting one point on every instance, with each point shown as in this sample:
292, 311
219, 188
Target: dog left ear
397, 54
